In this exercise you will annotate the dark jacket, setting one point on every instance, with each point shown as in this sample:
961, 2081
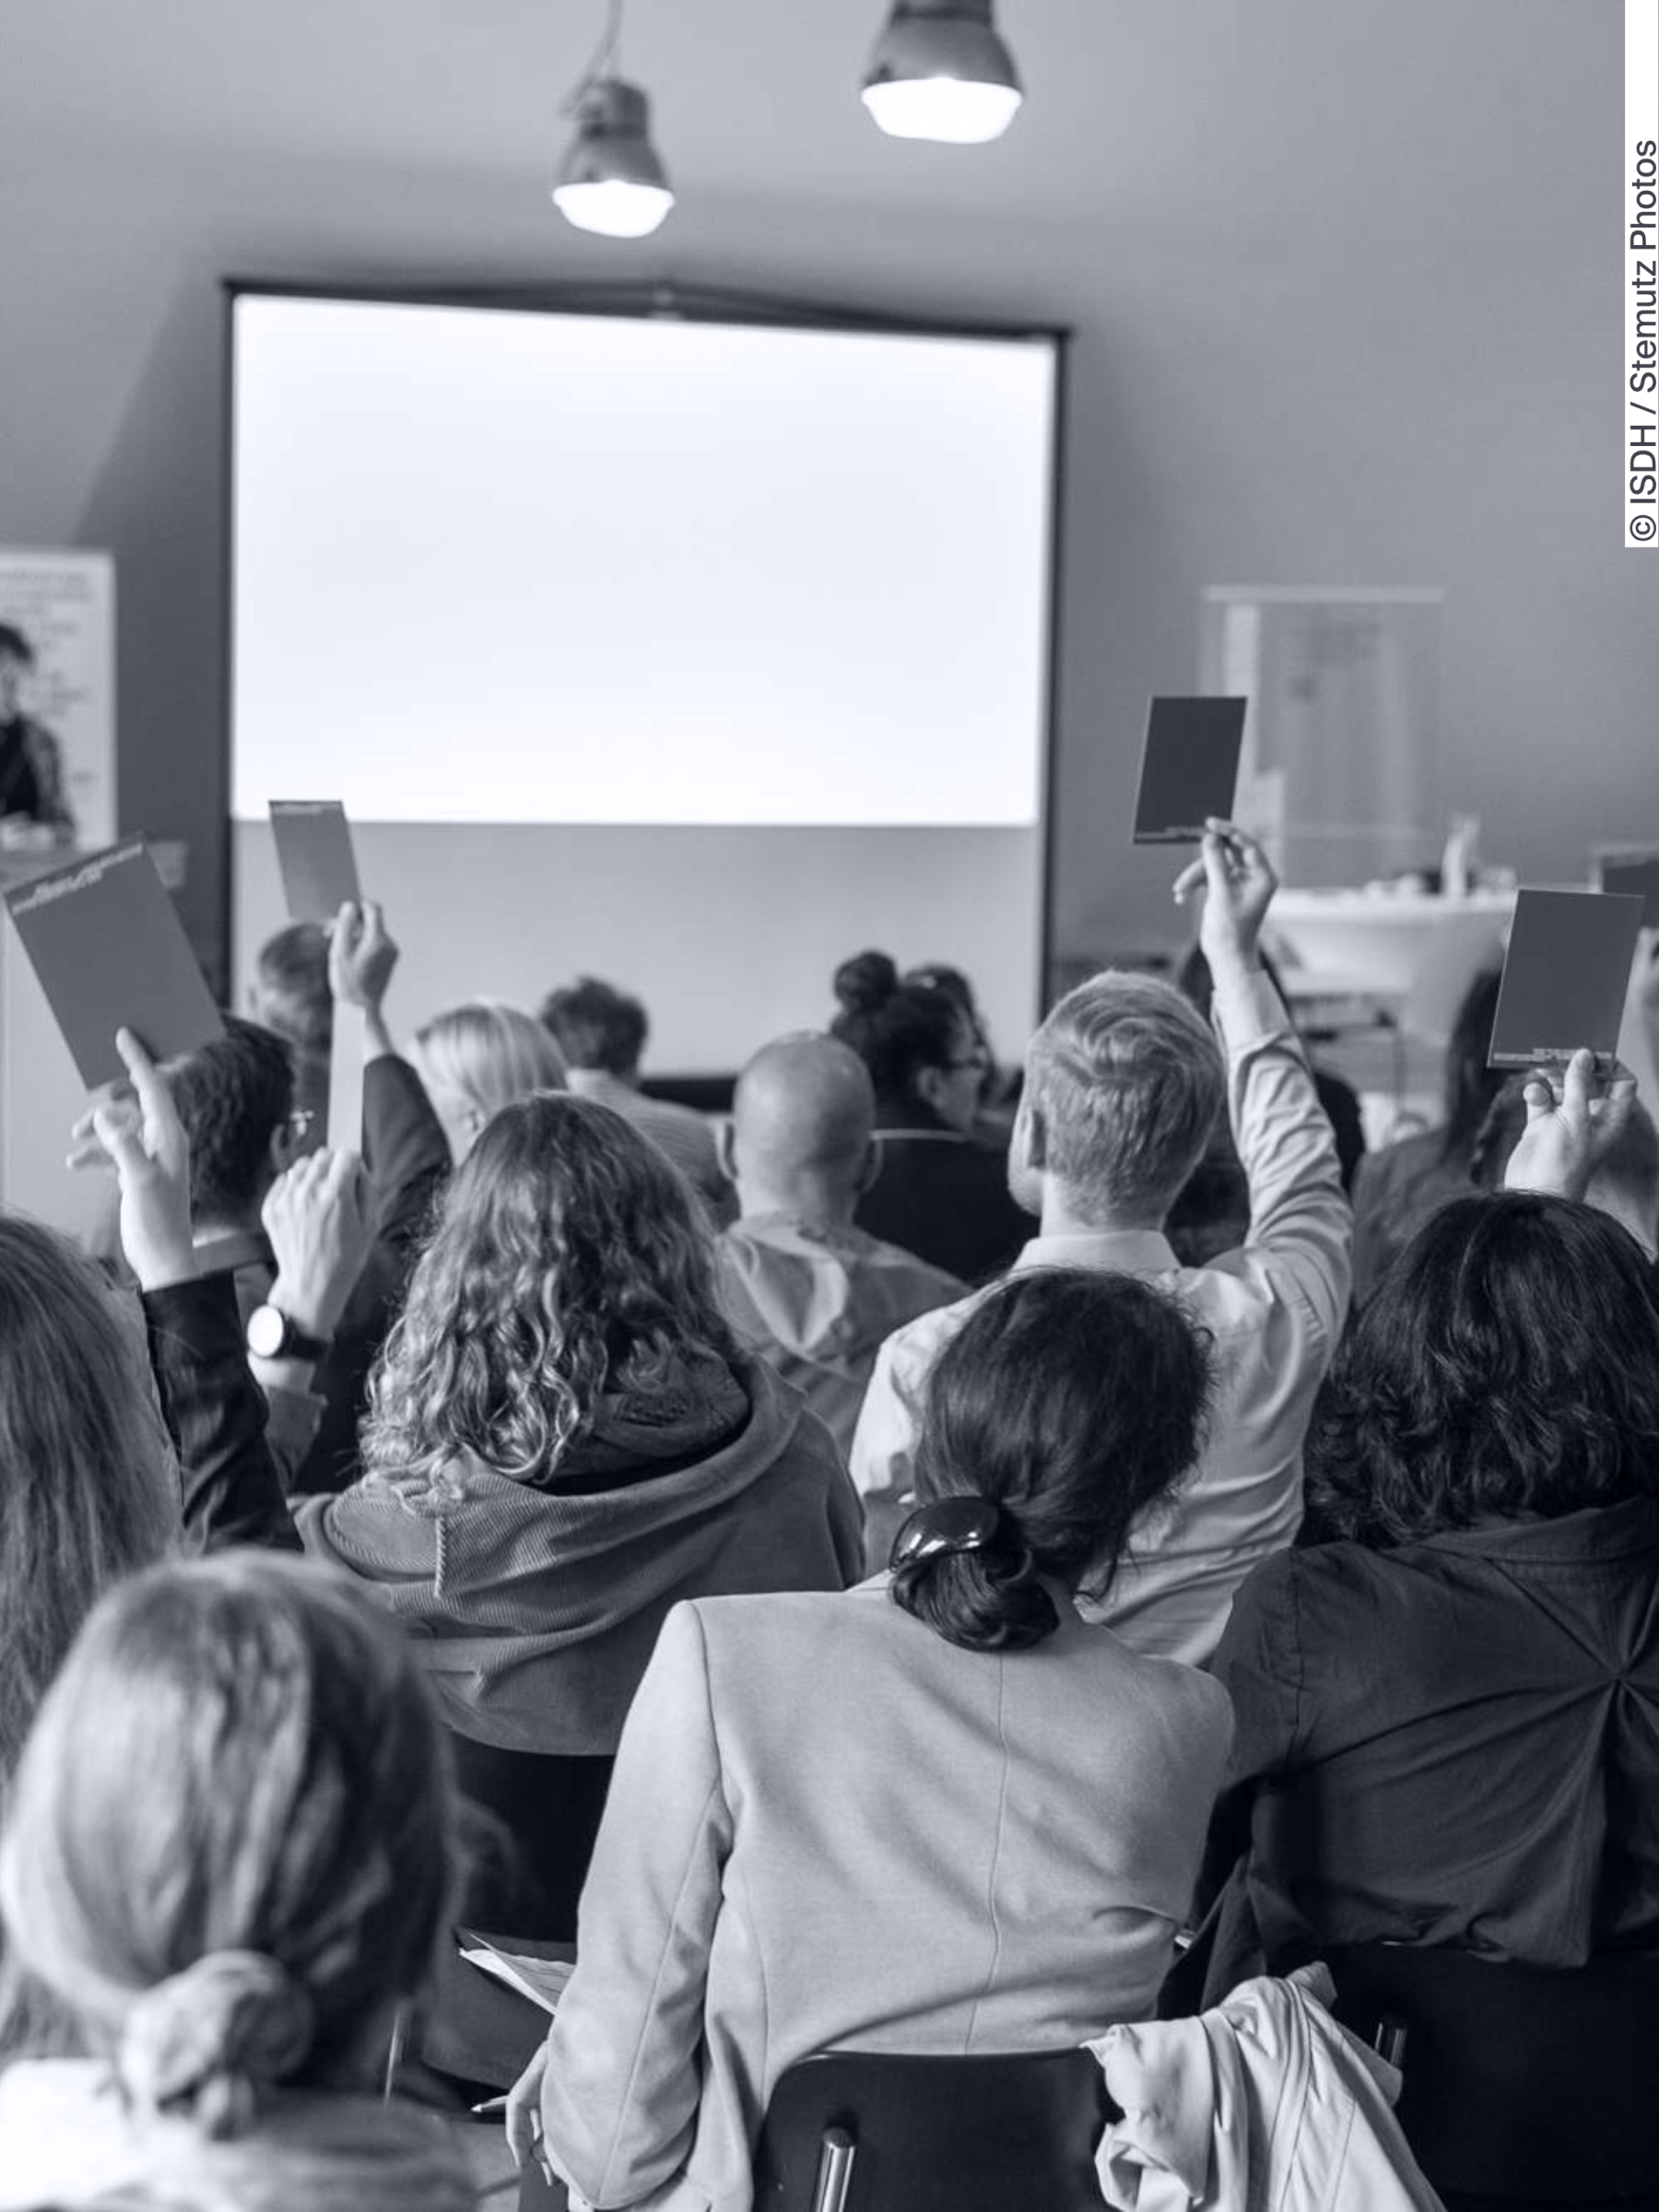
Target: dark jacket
1453, 1742
944, 1197
216, 1415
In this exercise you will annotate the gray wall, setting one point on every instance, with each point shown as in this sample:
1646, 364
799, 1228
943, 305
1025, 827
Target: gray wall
1343, 277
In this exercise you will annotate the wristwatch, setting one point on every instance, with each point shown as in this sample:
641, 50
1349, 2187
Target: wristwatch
272, 1335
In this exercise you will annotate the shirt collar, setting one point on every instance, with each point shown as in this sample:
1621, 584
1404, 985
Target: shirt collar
1126, 1251
1596, 1532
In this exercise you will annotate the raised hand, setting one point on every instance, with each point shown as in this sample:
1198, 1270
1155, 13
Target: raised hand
1569, 1134
1238, 881
361, 956
316, 1214
138, 1133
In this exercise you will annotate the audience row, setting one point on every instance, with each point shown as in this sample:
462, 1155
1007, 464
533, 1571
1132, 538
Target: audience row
898, 1627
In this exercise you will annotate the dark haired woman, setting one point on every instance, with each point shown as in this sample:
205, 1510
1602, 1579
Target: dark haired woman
1448, 1709
941, 1191
937, 1814
1395, 1189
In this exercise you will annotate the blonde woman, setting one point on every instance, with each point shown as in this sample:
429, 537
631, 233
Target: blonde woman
479, 1057
228, 1859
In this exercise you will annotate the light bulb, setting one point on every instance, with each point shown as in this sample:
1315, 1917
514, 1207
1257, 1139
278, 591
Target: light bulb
946, 108
940, 71
611, 180
613, 206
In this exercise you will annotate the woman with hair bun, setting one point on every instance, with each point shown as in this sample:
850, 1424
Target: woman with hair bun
940, 1813
228, 1860
943, 1190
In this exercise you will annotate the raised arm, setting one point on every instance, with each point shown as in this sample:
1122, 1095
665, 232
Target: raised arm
228, 1489
1300, 1225
405, 1151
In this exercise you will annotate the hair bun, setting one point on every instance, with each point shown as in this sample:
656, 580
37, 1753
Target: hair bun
216, 2035
865, 982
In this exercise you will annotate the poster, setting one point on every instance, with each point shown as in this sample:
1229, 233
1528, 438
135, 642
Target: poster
1341, 766
57, 699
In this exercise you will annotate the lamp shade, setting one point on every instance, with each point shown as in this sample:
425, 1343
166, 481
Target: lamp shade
940, 71
611, 180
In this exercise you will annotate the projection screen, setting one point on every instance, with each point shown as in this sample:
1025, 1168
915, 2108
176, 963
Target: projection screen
693, 654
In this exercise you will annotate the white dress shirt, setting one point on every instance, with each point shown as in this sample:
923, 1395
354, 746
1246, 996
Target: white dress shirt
1274, 1309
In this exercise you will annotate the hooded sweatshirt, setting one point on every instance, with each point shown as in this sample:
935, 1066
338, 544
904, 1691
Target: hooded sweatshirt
69, 2143
816, 1302
536, 1604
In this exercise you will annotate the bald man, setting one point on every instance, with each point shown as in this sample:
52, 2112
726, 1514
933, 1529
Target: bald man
813, 1295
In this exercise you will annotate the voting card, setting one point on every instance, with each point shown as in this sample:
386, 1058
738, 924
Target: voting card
110, 952
1565, 977
315, 852
1633, 871
1188, 768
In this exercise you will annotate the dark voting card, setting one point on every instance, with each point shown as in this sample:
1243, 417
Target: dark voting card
313, 851
1188, 768
1565, 976
107, 945
1633, 872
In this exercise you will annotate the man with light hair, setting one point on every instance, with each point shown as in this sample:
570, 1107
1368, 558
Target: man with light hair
1123, 1082
814, 1295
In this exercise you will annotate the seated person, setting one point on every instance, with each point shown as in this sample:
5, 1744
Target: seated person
602, 1033
228, 1861
937, 1814
1395, 1189
999, 1095
290, 994
813, 1295
1123, 1083
479, 1057
1448, 1704
941, 1193
235, 1096
565, 1438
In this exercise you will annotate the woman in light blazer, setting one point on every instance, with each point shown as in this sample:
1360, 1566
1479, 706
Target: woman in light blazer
940, 1813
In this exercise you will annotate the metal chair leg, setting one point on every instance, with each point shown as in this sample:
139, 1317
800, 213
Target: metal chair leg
835, 2171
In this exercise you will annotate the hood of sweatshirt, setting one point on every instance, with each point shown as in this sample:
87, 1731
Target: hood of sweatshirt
538, 1607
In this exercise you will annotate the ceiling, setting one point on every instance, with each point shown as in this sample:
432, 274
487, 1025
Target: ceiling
1189, 115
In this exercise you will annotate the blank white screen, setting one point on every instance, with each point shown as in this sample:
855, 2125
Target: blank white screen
498, 566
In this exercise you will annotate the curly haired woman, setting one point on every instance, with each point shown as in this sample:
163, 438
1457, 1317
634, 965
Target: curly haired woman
564, 1439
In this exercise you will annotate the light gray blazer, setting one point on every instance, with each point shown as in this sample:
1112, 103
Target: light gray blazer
829, 1826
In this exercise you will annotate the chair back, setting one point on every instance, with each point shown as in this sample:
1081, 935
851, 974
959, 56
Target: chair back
1522, 2083
861, 2131
542, 1817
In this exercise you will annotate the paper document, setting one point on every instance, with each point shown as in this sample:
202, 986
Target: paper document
542, 1980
